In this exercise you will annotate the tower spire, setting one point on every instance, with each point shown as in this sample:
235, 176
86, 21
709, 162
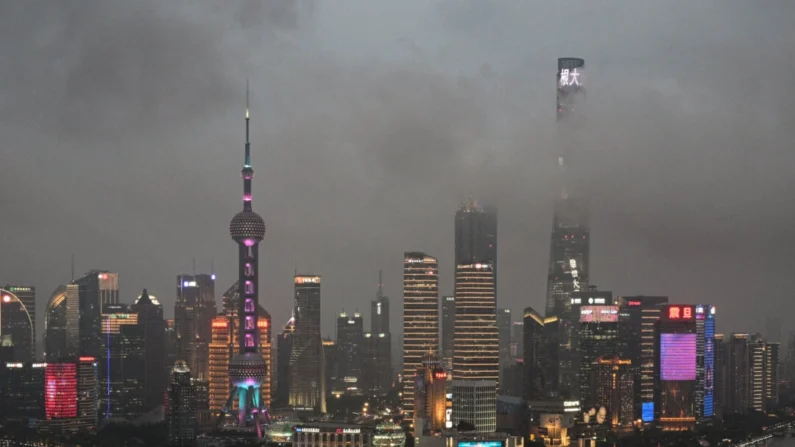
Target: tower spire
380, 284
248, 171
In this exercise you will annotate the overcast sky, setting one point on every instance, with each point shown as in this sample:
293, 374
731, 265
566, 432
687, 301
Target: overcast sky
121, 141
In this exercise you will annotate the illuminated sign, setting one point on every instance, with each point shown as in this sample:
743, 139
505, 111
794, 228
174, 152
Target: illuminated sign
598, 314
647, 411
440, 375
87, 359
19, 289
381, 335
13, 365
681, 312
633, 303
480, 444
712, 310
596, 301
188, 283
352, 430
307, 280
307, 430
39, 365
569, 77
571, 403
699, 309
448, 418
576, 301
120, 316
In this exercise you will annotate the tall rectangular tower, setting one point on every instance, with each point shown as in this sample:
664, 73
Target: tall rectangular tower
307, 370
476, 234
420, 318
193, 313
448, 332
676, 368
476, 356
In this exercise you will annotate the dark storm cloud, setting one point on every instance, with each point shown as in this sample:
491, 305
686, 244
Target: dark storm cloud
128, 115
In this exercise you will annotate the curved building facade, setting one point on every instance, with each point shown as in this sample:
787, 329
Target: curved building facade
55, 323
16, 326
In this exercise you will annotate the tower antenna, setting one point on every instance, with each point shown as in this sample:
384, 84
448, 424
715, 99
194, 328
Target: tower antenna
194, 266
73, 267
380, 284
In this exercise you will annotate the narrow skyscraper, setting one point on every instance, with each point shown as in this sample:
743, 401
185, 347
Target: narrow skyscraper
476, 234
448, 332
307, 365
476, 356
150, 319
182, 424
420, 318
247, 369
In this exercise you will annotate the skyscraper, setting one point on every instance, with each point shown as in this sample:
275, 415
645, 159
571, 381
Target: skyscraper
429, 397
70, 394
613, 385
16, 323
476, 234
55, 326
307, 368
122, 374
377, 363
182, 424
73, 320
448, 332
193, 312
379, 310
504, 334
534, 385
247, 369
772, 373
96, 289
597, 337
420, 318
350, 338
738, 368
21, 397
150, 320
637, 317
221, 350
705, 361
476, 356
675, 370
569, 262
27, 296
284, 347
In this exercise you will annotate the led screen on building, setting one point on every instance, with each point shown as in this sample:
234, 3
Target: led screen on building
480, 444
709, 365
599, 314
678, 357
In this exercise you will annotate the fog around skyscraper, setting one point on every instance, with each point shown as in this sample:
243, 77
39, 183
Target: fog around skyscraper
375, 121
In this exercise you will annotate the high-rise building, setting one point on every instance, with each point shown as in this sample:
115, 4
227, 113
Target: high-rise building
517, 339
597, 338
448, 332
429, 397
73, 320
307, 368
475, 402
221, 350
182, 423
96, 290
756, 350
676, 368
637, 317
247, 369
738, 380
379, 310
568, 353
60, 396
721, 372
27, 296
504, 337
705, 361
476, 235
122, 373
350, 338
55, 326
420, 318
476, 356
16, 323
772, 375
172, 340
535, 385
284, 347
21, 386
569, 262
331, 367
150, 321
70, 395
87, 389
613, 385
377, 364
193, 313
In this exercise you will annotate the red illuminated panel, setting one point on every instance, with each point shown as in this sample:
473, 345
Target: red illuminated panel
60, 393
87, 359
440, 375
220, 323
681, 313
262, 324
633, 303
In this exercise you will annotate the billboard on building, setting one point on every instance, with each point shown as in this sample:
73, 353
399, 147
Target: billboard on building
678, 357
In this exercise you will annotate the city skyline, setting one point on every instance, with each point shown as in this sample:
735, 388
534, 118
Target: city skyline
673, 213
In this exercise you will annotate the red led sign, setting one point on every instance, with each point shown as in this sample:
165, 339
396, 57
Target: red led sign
680, 312
633, 303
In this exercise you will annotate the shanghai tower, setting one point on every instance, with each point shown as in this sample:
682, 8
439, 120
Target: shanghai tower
247, 369
569, 261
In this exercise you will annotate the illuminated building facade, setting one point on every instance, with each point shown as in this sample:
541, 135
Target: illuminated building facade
182, 422
21, 397
122, 370
475, 402
756, 350
389, 434
448, 332
307, 366
87, 392
772, 350
420, 318
70, 395
676, 369
17, 324
220, 354
55, 326
705, 361
247, 369
193, 313
597, 337
330, 367
150, 321
476, 356
73, 320
60, 392
429, 397
613, 385
320, 434
379, 310
284, 347
637, 317
350, 339
476, 235
96, 290
535, 385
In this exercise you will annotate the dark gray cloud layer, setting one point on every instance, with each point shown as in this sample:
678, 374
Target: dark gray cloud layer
121, 127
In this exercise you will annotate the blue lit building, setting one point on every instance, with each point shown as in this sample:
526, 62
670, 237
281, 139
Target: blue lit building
705, 361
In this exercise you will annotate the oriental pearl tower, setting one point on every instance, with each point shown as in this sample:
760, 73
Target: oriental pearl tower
247, 368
